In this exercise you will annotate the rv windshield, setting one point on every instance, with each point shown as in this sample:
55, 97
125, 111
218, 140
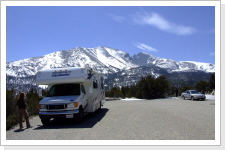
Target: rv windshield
64, 90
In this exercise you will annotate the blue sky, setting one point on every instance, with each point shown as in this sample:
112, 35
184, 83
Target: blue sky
181, 33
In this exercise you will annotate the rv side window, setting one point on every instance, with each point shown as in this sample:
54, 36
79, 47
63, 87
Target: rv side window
82, 89
95, 84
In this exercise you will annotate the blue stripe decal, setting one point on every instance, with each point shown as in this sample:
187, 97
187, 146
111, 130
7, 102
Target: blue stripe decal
89, 76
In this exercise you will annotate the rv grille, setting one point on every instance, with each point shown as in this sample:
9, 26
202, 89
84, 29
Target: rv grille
60, 106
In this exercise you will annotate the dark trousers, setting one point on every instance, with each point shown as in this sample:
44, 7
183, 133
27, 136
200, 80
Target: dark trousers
21, 113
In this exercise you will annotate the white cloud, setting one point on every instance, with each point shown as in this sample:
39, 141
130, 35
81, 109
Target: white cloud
117, 18
161, 23
145, 47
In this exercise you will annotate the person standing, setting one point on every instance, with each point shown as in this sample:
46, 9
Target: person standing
23, 111
176, 92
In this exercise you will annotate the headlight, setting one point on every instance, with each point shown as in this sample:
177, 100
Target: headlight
42, 106
72, 105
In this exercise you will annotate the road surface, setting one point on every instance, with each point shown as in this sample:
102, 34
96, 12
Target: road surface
161, 119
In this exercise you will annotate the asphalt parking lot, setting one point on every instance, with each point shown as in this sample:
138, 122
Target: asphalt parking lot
161, 119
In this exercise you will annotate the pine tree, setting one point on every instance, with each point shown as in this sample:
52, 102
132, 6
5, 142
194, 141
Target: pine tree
212, 81
32, 102
162, 87
202, 85
11, 109
150, 87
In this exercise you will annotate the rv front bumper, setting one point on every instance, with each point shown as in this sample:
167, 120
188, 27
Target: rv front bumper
58, 114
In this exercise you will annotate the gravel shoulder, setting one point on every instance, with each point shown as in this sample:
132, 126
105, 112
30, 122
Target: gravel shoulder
161, 119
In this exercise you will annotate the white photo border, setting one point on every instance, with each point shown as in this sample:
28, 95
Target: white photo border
5, 142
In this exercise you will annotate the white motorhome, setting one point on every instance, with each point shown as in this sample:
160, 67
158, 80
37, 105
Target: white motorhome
72, 92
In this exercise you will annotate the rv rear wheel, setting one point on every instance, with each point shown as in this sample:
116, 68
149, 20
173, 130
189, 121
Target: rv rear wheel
100, 107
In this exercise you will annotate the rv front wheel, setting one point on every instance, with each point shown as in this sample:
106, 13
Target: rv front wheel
45, 122
80, 115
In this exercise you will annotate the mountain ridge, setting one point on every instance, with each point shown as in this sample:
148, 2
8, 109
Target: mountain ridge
118, 67
104, 59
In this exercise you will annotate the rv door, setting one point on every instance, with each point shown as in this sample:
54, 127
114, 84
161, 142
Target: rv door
90, 89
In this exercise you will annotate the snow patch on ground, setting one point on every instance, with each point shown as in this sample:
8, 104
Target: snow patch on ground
208, 97
131, 99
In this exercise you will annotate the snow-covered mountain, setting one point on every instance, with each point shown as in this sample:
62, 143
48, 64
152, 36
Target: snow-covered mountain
117, 66
145, 59
103, 59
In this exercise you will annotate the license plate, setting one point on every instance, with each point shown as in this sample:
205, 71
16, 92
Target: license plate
69, 116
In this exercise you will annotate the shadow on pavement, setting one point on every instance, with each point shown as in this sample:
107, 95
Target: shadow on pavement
19, 130
89, 121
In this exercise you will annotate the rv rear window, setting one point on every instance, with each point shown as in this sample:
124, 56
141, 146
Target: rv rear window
64, 90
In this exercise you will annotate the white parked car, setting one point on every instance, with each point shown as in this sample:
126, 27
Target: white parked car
193, 95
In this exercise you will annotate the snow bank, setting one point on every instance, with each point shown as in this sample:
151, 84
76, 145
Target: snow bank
171, 98
136, 99
210, 97
131, 99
